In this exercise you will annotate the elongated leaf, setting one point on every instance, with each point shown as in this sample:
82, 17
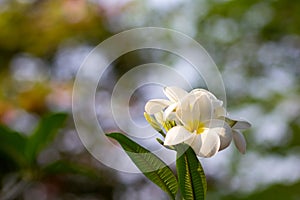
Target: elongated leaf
191, 177
13, 144
149, 164
44, 134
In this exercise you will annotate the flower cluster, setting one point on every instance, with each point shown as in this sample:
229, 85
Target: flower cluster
196, 118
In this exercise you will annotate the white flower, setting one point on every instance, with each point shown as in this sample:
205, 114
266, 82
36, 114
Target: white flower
199, 128
235, 124
196, 118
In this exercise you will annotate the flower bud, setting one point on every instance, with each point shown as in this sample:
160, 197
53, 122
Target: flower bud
152, 122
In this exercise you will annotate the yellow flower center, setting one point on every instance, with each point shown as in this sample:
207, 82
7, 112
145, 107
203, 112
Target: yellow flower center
195, 127
200, 128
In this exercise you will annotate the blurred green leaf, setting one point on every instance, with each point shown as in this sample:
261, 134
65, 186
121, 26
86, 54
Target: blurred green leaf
191, 177
288, 191
67, 167
43, 135
151, 166
13, 144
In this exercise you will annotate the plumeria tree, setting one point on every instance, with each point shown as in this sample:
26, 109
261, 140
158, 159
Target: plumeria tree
194, 124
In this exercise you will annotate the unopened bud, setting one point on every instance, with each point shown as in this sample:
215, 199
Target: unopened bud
152, 122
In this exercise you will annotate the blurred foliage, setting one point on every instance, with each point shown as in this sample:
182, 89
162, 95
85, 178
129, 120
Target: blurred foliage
23, 151
21, 167
248, 40
283, 192
40, 27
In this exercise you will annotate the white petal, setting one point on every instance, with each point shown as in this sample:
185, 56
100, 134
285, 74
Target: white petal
184, 111
159, 117
241, 125
176, 135
169, 110
212, 97
195, 142
223, 130
156, 105
206, 108
192, 110
173, 116
239, 141
200, 91
189, 112
210, 144
174, 93
225, 137
219, 111
196, 113
214, 123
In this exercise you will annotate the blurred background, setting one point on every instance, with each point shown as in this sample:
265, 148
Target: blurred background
255, 44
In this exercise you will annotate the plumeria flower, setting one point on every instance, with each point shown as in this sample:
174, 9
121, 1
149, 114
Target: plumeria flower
199, 128
196, 118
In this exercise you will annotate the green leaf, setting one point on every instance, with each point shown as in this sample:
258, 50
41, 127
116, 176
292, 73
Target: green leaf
149, 164
44, 134
191, 177
13, 144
